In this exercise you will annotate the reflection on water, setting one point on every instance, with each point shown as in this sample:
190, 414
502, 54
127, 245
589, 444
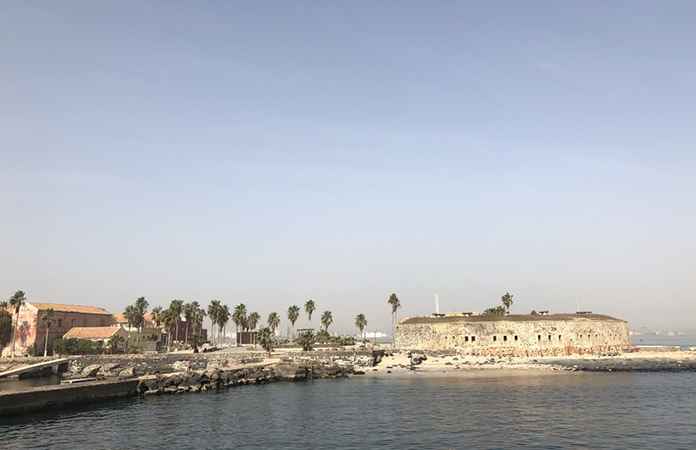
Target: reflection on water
486, 410
7, 384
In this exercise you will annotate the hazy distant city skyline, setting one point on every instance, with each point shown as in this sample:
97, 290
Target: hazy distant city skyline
267, 153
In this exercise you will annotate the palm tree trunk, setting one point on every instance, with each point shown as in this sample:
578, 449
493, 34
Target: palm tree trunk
14, 332
46, 344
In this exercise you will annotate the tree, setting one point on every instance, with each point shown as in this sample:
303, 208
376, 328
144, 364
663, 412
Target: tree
507, 301
309, 308
239, 316
190, 311
48, 317
195, 340
214, 310
361, 323
5, 323
395, 305
222, 319
141, 306
306, 340
170, 320
16, 301
252, 321
326, 320
266, 339
293, 315
157, 315
176, 307
495, 310
323, 336
273, 322
113, 343
131, 314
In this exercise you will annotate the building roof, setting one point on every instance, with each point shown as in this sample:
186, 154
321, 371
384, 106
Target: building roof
69, 308
508, 318
91, 332
121, 318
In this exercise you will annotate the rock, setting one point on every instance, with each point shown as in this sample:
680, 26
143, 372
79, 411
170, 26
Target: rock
91, 371
290, 371
358, 372
128, 372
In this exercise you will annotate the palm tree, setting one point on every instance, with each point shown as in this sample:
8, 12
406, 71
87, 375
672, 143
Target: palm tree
112, 343
507, 301
176, 307
323, 336
222, 319
306, 340
293, 314
326, 320
140, 306
198, 318
395, 305
5, 322
190, 310
266, 339
157, 315
361, 323
239, 317
131, 314
48, 317
273, 321
16, 301
214, 310
170, 320
309, 308
252, 321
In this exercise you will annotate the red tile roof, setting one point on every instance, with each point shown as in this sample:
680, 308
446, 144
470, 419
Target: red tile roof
69, 308
91, 332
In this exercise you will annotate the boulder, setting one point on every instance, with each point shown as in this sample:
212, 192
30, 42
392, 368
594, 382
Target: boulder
290, 371
90, 371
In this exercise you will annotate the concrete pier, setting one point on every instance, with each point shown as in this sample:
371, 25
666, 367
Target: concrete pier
23, 401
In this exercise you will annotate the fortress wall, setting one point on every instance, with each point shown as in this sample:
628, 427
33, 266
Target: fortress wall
516, 337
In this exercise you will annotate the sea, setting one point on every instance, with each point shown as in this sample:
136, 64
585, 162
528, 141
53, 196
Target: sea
486, 409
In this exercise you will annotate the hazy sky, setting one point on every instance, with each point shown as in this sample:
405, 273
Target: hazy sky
273, 152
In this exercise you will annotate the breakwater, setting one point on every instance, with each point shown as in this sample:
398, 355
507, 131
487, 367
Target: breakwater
131, 375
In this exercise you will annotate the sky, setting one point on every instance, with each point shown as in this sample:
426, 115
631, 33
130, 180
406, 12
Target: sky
268, 153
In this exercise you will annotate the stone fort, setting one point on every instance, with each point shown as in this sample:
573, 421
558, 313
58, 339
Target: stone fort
514, 335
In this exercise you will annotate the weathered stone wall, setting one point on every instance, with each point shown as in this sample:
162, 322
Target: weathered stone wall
511, 337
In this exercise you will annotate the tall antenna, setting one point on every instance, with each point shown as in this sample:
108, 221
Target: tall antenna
437, 305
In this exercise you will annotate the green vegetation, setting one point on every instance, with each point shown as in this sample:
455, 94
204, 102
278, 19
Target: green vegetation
500, 310
326, 320
309, 308
507, 301
16, 301
395, 305
114, 343
72, 346
361, 323
273, 322
306, 340
48, 317
5, 323
266, 339
293, 315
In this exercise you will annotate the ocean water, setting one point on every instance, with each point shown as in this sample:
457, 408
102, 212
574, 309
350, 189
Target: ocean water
482, 410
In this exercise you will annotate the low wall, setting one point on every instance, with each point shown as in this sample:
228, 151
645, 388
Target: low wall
57, 396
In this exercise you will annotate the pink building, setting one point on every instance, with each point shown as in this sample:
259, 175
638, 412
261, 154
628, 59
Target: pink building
31, 332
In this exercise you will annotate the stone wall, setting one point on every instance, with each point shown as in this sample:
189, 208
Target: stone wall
508, 335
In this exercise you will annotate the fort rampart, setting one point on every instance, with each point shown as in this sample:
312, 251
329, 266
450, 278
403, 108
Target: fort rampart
515, 335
